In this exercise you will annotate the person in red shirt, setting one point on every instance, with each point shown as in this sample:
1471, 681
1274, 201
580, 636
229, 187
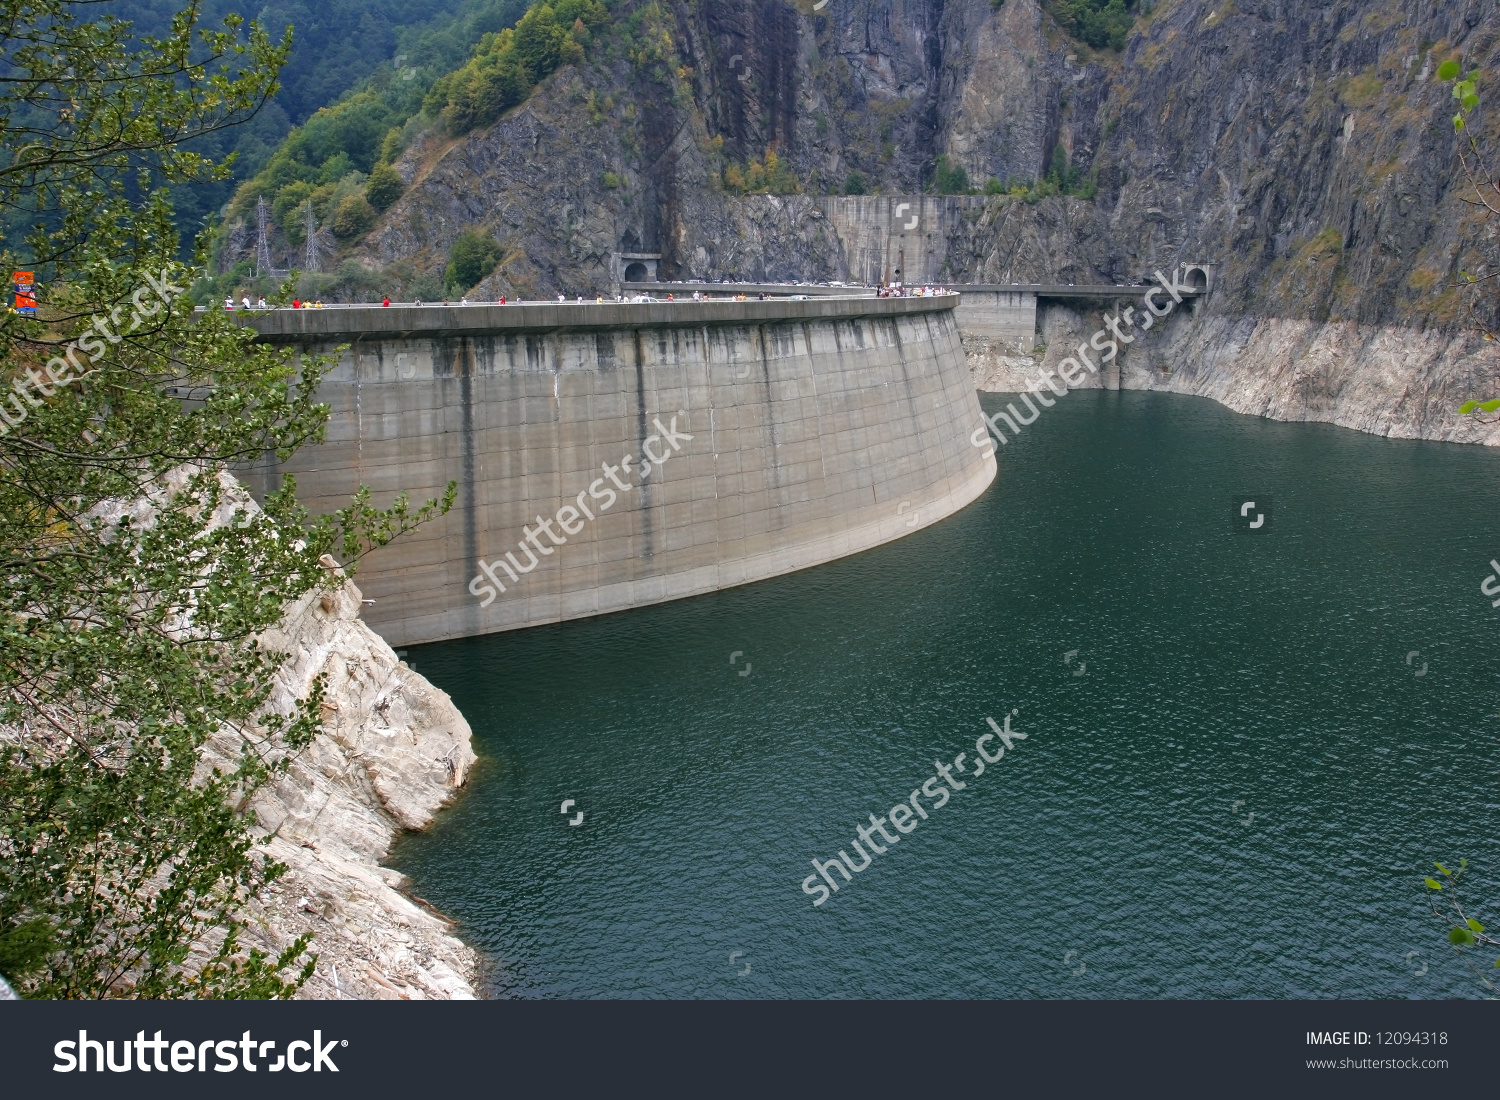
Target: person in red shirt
386, 301
502, 299
296, 303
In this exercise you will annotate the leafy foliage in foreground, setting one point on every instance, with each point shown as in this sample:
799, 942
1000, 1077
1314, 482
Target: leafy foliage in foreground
128, 611
1464, 931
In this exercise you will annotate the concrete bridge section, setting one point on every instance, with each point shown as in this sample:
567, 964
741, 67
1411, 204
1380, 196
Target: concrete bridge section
1004, 314
1001, 314
778, 435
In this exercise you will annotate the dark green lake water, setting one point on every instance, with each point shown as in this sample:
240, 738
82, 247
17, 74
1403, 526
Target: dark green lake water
1113, 853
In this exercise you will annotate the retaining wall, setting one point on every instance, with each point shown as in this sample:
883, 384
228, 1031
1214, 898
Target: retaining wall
819, 429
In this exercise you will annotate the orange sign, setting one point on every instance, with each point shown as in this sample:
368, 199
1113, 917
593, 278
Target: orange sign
23, 278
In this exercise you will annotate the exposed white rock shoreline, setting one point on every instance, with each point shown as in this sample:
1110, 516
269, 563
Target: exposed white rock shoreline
1403, 383
393, 751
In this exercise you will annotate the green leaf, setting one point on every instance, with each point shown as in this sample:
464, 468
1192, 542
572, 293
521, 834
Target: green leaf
1458, 122
1434, 883
1470, 101
1460, 937
1475, 925
1447, 70
1443, 869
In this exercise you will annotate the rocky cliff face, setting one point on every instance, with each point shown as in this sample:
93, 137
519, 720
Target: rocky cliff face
392, 752
1305, 149
1392, 380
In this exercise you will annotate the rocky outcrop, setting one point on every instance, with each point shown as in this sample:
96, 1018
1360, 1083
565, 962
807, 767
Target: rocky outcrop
393, 751
1389, 380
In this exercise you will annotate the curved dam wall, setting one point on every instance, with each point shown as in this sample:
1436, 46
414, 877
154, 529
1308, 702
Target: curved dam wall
761, 438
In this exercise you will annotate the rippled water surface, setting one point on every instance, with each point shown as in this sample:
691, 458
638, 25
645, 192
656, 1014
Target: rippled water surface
1236, 798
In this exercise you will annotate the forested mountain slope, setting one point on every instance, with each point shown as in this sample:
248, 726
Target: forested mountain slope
336, 44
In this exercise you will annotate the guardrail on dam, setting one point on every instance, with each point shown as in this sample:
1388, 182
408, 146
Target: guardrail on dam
817, 429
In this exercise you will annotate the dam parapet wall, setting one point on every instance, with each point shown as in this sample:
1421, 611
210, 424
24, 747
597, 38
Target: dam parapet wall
762, 437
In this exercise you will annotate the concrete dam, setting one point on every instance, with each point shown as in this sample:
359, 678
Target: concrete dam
611, 456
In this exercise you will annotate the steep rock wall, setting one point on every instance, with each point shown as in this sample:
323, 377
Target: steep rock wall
1389, 380
392, 752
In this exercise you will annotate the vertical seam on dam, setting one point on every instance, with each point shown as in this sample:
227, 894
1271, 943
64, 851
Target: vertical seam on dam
817, 401
471, 536
775, 464
647, 549
359, 416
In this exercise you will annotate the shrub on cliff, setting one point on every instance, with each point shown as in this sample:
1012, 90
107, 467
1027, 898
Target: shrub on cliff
472, 257
773, 176
129, 610
385, 186
950, 178
1103, 24
353, 217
